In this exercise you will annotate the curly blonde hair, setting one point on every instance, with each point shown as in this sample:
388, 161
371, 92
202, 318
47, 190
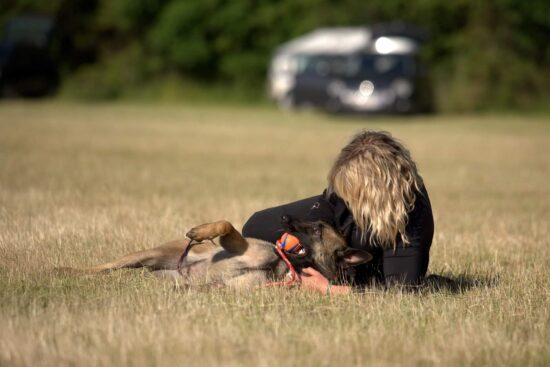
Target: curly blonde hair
377, 179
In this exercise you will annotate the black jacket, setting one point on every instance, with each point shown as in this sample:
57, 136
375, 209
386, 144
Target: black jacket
402, 264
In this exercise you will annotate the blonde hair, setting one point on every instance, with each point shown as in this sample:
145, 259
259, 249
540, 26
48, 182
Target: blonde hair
377, 179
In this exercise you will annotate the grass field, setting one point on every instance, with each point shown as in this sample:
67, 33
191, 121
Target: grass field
81, 184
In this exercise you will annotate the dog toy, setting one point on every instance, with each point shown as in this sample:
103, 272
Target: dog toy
289, 244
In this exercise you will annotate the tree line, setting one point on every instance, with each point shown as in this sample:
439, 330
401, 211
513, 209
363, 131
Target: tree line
490, 54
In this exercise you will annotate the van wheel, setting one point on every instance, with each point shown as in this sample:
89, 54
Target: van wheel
287, 102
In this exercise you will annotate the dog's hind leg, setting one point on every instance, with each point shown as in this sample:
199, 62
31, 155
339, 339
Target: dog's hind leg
162, 257
230, 239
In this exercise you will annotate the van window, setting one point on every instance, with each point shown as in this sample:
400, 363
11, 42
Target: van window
355, 66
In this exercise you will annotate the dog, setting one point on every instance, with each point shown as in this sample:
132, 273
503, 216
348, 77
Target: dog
241, 263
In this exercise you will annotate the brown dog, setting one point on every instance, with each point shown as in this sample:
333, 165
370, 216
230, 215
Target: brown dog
242, 262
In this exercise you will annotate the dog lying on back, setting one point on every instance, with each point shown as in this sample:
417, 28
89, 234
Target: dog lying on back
241, 263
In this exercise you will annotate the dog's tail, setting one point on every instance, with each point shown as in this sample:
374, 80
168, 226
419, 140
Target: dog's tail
69, 271
103, 268
163, 257
135, 260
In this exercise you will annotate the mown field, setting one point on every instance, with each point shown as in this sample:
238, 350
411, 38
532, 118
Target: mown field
81, 184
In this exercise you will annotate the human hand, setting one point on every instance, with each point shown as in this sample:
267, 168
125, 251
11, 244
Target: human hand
312, 279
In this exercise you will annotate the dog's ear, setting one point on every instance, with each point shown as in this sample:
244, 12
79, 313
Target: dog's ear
353, 257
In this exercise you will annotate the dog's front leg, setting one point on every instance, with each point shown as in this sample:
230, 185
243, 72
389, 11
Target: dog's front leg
230, 239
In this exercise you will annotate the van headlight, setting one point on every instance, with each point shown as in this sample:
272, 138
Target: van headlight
366, 88
281, 85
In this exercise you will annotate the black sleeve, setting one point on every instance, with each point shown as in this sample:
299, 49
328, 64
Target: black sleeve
322, 209
266, 224
408, 264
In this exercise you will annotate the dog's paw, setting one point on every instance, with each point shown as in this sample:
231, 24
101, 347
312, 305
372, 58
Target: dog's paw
209, 231
203, 232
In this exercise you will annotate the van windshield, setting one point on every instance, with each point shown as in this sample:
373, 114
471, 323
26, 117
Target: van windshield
363, 66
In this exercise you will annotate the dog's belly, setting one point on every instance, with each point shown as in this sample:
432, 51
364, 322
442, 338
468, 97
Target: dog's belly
218, 267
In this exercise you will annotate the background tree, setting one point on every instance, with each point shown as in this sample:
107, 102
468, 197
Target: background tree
484, 55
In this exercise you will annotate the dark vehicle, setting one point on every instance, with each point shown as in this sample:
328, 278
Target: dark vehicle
352, 70
26, 66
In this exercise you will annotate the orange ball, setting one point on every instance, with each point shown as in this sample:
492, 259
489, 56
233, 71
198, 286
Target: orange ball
289, 243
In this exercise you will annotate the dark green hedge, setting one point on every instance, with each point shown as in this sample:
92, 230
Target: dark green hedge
485, 54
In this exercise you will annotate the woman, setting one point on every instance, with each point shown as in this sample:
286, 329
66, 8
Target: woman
377, 200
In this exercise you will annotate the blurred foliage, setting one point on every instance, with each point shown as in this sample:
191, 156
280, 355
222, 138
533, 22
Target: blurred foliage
491, 54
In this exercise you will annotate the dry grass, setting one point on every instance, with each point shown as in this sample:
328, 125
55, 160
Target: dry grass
83, 184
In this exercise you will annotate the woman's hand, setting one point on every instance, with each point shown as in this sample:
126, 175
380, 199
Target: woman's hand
312, 279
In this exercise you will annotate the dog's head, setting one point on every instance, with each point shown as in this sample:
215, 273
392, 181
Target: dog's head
324, 248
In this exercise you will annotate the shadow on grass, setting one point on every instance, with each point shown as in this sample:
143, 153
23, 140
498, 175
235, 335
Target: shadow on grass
456, 284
